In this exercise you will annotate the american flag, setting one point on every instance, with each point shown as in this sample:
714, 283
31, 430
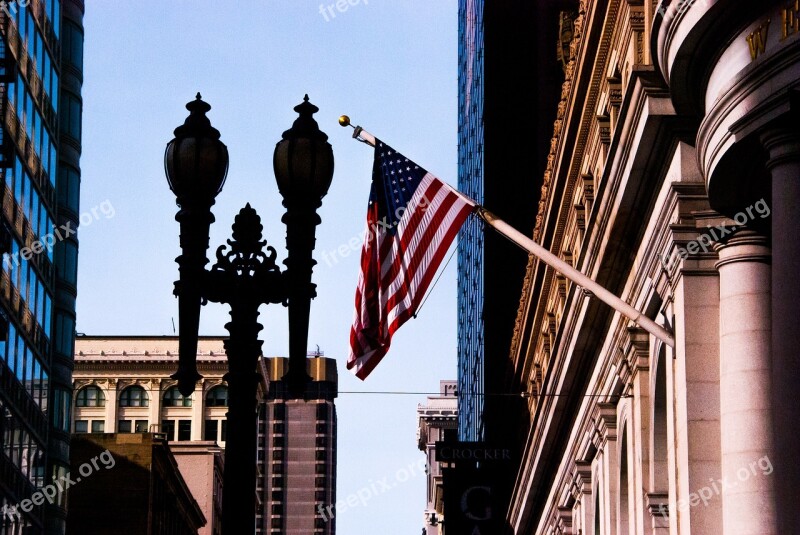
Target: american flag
412, 219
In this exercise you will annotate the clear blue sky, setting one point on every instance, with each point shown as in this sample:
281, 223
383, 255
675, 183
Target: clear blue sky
392, 66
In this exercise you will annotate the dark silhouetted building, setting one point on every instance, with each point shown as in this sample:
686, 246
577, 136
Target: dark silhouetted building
41, 64
129, 483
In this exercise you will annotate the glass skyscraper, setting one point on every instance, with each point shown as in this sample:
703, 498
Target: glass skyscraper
509, 79
41, 63
470, 244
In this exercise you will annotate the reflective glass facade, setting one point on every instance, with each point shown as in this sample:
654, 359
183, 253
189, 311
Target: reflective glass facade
39, 265
471, 354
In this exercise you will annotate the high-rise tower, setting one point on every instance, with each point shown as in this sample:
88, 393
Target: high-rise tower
507, 70
300, 445
41, 63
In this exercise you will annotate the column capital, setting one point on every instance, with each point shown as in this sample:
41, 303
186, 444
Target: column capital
782, 143
742, 245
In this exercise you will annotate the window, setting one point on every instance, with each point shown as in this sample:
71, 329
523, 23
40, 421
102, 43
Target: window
319, 495
319, 469
279, 411
217, 396
98, 426
168, 428
322, 442
210, 432
277, 455
319, 481
224, 430
322, 428
124, 426
320, 455
81, 426
173, 398
134, 396
91, 396
61, 404
277, 495
277, 509
322, 412
184, 430
277, 428
140, 426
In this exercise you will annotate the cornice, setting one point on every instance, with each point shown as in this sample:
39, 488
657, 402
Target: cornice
570, 107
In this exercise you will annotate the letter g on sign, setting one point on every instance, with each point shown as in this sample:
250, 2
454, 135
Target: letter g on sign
468, 511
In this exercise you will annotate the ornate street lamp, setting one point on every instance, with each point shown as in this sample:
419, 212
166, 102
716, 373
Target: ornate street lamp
303, 164
245, 276
196, 163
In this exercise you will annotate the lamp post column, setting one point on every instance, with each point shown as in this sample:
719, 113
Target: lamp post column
243, 349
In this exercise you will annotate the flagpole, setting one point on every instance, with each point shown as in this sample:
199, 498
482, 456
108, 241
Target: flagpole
548, 258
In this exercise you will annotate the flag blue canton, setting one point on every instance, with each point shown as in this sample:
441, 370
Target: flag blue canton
395, 178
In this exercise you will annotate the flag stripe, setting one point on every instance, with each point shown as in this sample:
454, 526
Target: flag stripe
416, 260
427, 277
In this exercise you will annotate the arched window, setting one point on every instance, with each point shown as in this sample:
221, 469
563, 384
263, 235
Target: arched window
659, 456
133, 396
597, 522
217, 397
624, 487
173, 398
91, 396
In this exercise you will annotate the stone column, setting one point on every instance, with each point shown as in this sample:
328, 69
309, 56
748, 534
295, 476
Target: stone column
198, 399
783, 146
111, 407
748, 495
154, 411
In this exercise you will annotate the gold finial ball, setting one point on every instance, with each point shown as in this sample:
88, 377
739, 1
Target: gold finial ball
344, 120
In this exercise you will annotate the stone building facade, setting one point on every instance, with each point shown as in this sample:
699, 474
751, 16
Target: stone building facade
673, 174
438, 422
122, 385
